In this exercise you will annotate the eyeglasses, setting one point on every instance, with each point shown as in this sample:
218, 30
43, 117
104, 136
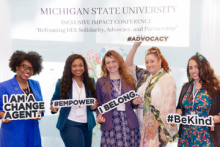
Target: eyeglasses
153, 51
26, 67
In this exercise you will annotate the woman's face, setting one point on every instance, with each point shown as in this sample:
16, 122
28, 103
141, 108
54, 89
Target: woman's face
153, 65
111, 64
194, 70
25, 70
77, 67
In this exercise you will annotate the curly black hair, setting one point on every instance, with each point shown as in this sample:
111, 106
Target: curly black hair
66, 80
33, 57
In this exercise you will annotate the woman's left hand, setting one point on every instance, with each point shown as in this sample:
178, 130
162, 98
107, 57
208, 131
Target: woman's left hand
137, 100
215, 120
39, 118
153, 130
95, 105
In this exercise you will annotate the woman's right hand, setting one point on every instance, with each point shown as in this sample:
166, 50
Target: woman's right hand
137, 44
100, 119
6, 121
53, 109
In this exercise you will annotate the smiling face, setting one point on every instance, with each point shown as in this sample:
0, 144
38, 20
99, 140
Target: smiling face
22, 72
153, 64
77, 67
111, 64
194, 70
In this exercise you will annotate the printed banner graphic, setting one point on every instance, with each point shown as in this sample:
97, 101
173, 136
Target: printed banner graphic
70, 103
21, 107
117, 102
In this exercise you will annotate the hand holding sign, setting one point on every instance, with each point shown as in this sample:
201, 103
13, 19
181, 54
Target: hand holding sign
137, 100
100, 119
53, 109
93, 107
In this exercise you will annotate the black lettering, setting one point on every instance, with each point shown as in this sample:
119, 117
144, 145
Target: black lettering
35, 113
184, 120
208, 121
65, 103
14, 106
60, 103
120, 100
13, 99
111, 104
87, 102
22, 114
75, 102
15, 114
92, 101
106, 107
28, 114
116, 104
21, 98
82, 102
28, 106
126, 96
41, 105
21, 107
201, 120
5, 99
5, 107
100, 110
190, 119
177, 118
7, 116
31, 98
35, 105
132, 94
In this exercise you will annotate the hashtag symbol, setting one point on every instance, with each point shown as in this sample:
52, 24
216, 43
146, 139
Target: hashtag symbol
129, 38
56, 104
170, 118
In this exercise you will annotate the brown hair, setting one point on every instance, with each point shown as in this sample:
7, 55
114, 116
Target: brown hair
209, 80
164, 63
123, 71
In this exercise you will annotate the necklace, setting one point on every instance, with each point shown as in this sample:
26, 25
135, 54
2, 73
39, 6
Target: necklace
23, 90
79, 93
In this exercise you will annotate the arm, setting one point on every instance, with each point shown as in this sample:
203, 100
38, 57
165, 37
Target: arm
100, 119
41, 97
130, 57
56, 96
93, 107
2, 113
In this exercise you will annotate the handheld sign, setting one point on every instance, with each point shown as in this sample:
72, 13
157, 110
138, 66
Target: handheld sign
117, 102
190, 120
70, 102
21, 107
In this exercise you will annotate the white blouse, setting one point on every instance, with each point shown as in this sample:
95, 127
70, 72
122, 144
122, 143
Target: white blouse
78, 114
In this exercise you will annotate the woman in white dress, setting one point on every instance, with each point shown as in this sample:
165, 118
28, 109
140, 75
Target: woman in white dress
157, 88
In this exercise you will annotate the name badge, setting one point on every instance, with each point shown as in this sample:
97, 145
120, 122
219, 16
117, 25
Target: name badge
121, 107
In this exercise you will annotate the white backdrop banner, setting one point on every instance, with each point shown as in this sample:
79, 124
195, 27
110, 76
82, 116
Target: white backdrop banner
155, 22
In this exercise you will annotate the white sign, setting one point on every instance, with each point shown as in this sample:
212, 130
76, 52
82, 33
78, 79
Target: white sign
70, 102
117, 102
21, 107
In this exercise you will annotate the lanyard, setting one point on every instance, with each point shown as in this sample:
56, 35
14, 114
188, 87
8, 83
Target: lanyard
118, 90
23, 90
194, 94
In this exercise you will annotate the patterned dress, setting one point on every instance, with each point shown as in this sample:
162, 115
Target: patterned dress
120, 135
196, 136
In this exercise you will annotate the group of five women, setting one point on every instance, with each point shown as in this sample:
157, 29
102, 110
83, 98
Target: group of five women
121, 127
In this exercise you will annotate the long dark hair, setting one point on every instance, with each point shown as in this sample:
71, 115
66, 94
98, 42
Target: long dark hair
66, 80
209, 80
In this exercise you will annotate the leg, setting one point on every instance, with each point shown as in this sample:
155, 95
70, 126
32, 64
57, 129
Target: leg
88, 137
73, 136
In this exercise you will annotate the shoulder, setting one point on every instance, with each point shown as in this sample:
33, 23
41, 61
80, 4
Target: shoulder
167, 78
6, 83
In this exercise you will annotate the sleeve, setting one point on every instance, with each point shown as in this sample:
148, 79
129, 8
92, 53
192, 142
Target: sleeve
99, 95
138, 72
167, 106
56, 94
93, 80
2, 92
41, 96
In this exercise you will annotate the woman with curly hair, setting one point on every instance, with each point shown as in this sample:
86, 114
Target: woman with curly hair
157, 89
21, 133
200, 96
75, 123
119, 126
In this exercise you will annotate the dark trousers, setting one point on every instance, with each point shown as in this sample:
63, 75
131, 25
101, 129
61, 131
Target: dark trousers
75, 134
